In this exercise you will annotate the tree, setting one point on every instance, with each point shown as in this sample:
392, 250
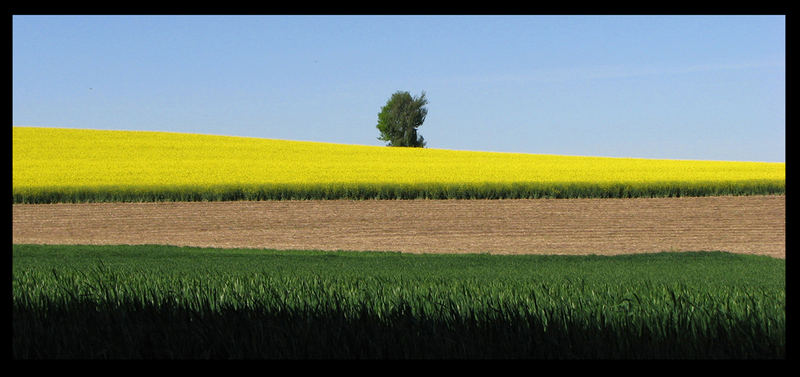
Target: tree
399, 119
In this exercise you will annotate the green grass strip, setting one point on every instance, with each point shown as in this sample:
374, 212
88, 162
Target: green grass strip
356, 191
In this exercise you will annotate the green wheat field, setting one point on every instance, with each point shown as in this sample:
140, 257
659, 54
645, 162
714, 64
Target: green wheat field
154, 302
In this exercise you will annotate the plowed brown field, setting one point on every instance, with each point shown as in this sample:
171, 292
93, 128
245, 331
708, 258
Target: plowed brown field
739, 224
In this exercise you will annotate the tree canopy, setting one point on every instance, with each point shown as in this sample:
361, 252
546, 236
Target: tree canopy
399, 119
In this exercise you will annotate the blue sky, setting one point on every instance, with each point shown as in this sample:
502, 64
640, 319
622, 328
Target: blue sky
676, 87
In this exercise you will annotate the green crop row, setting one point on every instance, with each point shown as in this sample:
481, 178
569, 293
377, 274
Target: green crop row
360, 191
169, 302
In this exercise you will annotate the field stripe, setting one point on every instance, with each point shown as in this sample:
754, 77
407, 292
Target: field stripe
739, 224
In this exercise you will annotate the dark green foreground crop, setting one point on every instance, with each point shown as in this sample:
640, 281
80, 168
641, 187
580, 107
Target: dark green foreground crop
186, 303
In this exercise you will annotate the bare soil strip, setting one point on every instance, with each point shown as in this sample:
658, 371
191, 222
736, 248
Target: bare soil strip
739, 224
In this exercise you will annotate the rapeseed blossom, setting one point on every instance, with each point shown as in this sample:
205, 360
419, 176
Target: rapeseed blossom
47, 159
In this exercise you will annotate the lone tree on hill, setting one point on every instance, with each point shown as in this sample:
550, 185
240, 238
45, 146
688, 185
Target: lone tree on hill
399, 119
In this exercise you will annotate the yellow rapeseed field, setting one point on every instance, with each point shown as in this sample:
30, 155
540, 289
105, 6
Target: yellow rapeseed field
63, 159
